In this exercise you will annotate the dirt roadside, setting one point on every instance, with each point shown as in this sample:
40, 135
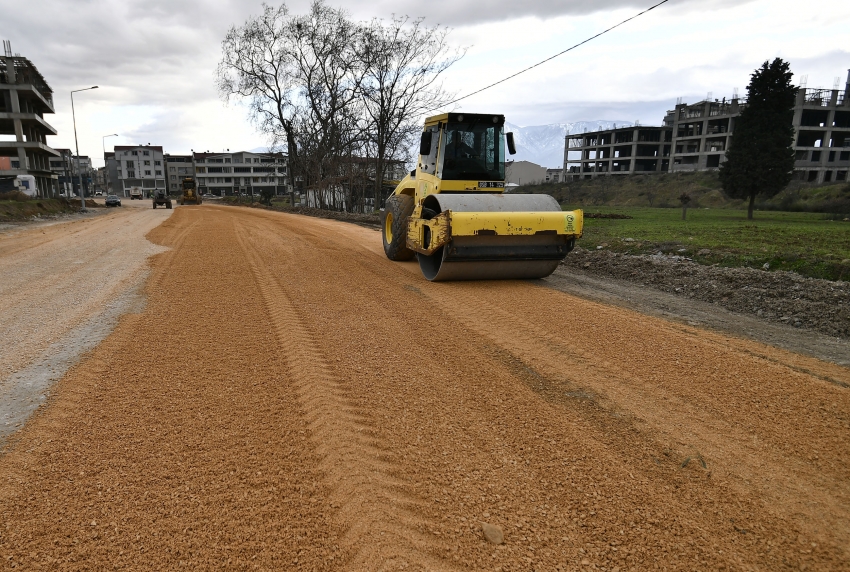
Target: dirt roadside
336, 411
778, 297
65, 284
598, 286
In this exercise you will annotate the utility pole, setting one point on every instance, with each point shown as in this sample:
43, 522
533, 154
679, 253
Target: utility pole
77, 145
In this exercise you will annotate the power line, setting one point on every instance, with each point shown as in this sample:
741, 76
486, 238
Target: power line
558, 54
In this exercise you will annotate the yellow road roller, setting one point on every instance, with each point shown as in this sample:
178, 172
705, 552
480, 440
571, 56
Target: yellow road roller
453, 214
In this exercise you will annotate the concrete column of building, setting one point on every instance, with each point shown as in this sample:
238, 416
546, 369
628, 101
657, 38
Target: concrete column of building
827, 147
673, 133
702, 162
660, 158
633, 158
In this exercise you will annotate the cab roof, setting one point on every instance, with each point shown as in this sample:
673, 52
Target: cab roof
461, 117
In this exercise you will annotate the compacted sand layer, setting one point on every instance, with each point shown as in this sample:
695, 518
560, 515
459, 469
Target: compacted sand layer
290, 400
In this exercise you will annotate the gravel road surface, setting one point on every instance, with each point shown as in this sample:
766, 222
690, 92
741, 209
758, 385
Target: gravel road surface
288, 399
65, 283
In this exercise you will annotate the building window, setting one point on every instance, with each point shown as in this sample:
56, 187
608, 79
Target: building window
173, 177
227, 180
134, 152
146, 153
147, 163
159, 173
131, 174
157, 163
147, 172
129, 164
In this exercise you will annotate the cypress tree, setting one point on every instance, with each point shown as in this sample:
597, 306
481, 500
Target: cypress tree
760, 158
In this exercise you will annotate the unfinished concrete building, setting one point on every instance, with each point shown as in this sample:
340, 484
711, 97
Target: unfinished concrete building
822, 125
695, 137
622, 151
24, 99
701, 133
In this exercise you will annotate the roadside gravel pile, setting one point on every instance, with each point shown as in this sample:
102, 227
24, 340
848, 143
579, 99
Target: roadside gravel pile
778, 296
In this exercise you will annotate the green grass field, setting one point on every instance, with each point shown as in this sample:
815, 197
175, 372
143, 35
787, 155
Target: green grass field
807, 243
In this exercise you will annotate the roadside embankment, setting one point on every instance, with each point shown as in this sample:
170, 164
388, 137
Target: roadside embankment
780, 296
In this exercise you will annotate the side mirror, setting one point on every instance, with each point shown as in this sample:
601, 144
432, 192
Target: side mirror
425, 143
511, 145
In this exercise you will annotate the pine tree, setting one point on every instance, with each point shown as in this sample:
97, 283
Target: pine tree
760, 158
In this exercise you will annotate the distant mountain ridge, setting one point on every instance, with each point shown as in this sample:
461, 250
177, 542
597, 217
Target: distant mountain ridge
544, 144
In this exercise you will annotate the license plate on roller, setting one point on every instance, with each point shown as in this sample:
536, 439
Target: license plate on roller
491, 185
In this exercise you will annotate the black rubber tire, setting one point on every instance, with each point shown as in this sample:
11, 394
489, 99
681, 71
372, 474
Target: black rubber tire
400, 207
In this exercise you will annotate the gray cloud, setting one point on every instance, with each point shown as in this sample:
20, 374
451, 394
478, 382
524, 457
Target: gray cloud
459, 13
161, 54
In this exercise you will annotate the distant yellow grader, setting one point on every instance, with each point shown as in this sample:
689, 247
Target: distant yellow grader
452, 213
190, 192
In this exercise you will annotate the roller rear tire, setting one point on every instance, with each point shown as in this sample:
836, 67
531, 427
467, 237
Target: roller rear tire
394, 227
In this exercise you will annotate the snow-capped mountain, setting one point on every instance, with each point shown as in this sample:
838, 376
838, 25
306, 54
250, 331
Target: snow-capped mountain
544, 144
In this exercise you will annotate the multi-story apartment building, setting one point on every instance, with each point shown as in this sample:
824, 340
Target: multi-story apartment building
72, 174
101, 180
111, 165
24, 99
226, 174
177, 168
695, 138
141, 166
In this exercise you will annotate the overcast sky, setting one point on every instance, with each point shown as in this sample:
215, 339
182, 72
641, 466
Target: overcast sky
154, 59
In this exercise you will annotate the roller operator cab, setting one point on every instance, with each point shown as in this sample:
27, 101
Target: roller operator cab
452, 213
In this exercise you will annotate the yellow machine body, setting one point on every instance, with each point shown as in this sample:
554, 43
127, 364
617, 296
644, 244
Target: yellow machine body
190, 192
463, 225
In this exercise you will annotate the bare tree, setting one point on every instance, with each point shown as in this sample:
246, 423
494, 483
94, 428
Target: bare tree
403, 61
335, 91
258, 64
330, 71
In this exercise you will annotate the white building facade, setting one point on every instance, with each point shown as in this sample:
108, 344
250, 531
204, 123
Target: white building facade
243, 172
141, 166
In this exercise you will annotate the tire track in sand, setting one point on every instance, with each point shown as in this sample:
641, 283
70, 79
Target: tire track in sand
378, 510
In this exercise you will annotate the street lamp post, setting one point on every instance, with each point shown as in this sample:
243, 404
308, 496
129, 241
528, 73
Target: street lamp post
77, 145
105, 169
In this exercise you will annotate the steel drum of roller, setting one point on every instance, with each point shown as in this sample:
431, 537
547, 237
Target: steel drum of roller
489, 256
